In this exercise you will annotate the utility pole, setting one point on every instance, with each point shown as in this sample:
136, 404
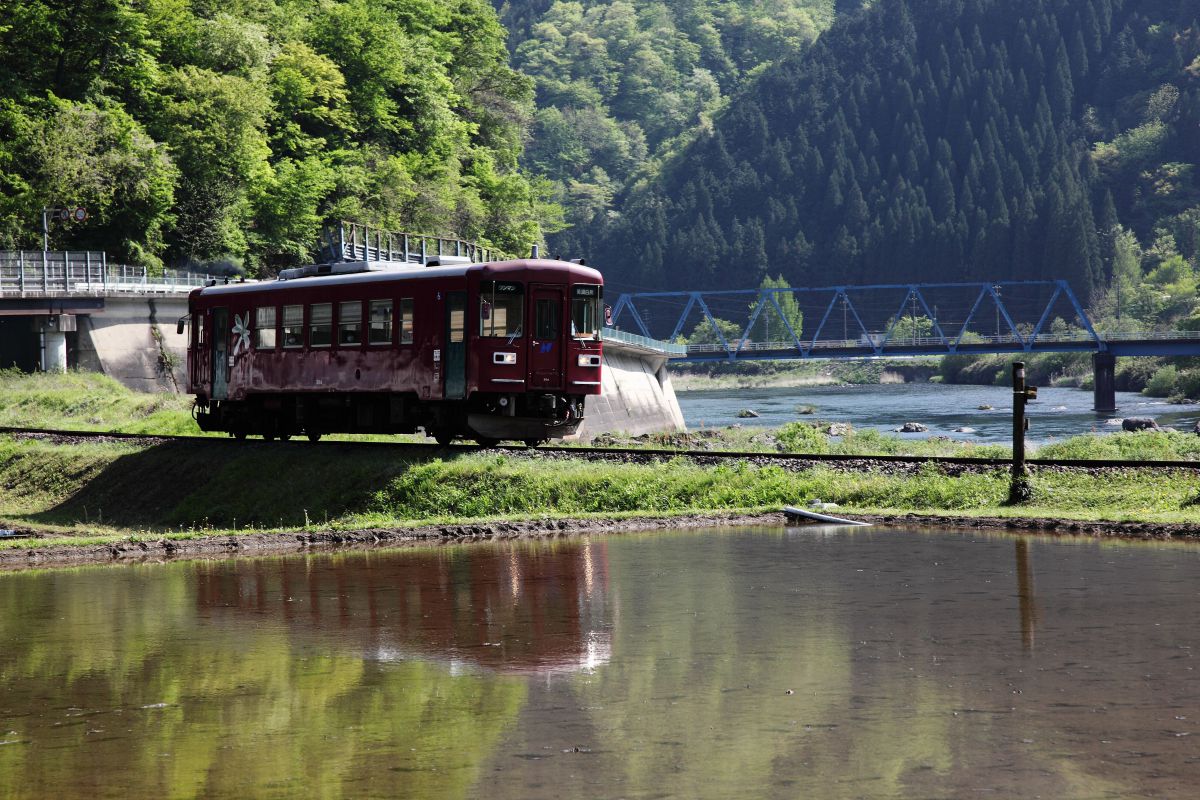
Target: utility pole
1019, 490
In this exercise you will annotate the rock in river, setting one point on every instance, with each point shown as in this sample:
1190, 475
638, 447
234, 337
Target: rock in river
747, 413
1138, 424
912, 427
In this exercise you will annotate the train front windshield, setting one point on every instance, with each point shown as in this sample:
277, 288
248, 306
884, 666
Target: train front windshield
585, 311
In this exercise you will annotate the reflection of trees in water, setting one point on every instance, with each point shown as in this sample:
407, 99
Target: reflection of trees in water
910, 661
905, 677
313, 676
739, 678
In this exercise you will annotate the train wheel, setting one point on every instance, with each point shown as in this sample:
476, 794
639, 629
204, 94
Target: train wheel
313, 436
484, 441
443, 438
535, 442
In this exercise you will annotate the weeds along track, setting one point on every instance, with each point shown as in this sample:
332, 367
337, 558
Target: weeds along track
950, 465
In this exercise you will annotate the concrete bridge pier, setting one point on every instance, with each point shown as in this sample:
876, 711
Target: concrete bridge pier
1104, 387
54, 350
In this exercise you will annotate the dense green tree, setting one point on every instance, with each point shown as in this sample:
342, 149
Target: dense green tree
624, 84
200, 132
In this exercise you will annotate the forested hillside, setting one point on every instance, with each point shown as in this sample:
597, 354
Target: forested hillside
942, 140
198, 131
624, 84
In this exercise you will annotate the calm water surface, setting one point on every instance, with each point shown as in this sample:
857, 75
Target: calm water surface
1058, 413
720, 664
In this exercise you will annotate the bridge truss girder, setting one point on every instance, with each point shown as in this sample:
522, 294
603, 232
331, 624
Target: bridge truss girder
868, 343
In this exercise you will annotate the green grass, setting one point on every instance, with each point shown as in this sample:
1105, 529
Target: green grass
89, 401
94, 402
92, 493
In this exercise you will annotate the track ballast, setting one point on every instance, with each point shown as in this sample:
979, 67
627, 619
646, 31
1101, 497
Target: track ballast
956, 463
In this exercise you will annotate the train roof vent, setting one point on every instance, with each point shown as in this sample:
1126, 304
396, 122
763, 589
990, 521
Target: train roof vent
448, 261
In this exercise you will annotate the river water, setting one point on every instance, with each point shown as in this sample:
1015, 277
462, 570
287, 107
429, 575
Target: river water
1056, 414
737, 663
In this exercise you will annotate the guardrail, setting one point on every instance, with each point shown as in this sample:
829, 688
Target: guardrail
947, 344
39, 273
657, 345
353, 241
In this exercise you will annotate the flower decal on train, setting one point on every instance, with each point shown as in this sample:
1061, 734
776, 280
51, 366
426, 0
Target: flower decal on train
241, 333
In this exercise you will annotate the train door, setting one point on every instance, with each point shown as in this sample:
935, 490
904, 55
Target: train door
220, 353
546, 348
455, 363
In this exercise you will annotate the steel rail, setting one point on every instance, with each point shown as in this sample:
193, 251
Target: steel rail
658, 452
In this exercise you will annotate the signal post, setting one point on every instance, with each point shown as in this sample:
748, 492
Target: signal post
1019, 490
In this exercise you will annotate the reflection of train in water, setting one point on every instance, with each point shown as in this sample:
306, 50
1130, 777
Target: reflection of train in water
515, 608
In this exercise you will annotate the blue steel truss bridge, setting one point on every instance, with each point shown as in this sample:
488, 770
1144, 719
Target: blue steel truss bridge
891, 320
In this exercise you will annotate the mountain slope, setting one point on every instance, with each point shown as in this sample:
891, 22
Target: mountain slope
946, 140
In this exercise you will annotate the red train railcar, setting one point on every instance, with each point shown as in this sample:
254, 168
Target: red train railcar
500, 350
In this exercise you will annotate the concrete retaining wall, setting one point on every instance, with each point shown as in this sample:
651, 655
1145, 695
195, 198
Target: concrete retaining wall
134, 341
637, 396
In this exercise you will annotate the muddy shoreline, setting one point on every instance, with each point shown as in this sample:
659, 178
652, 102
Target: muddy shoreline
43, 552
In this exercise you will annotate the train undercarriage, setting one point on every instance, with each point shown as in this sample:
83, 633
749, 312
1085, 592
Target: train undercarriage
484, 417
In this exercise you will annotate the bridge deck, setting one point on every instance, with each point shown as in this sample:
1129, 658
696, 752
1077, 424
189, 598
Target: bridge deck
1141, 343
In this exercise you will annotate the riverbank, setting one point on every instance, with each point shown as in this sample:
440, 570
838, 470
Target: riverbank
100, 501
706, 376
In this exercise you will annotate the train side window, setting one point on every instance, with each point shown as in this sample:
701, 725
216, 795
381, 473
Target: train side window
381, 322
406, 320
350, 323
200, 329
293, 326
585, 311
320, 324
546, 319
264, 328
501, 308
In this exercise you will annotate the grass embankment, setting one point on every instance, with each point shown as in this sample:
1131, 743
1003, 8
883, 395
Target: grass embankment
101, 492
89, 401
94, 402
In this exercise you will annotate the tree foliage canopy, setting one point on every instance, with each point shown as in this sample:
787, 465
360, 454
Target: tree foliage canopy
197, 131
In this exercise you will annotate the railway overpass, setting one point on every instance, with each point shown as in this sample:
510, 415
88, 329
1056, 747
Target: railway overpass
893, 321
73, 308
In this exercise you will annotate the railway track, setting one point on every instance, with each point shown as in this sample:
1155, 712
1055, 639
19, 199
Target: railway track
634, 453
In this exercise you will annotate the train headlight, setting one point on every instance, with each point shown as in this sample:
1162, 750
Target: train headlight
589, 361
504, 358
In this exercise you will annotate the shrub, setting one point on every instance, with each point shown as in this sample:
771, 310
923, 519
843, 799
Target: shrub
1162, 382
802, 437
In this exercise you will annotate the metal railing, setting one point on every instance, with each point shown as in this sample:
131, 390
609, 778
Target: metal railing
945, 344
670, 349
41, 273
352, 241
